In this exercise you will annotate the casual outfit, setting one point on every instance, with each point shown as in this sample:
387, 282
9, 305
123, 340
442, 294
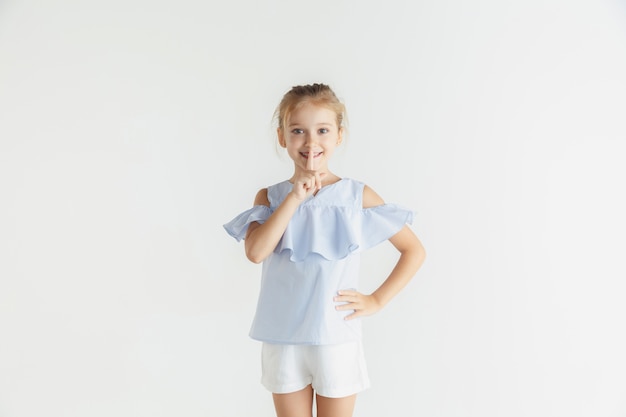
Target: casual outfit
305, 337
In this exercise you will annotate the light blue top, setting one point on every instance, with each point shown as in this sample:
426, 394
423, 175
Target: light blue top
317, 256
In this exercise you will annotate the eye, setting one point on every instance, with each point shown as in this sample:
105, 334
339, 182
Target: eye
323, 130
297, 131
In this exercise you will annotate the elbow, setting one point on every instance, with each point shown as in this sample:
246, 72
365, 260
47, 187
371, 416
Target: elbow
255, 260
254, 256
254, 248
421, 259
417, 255
420, 255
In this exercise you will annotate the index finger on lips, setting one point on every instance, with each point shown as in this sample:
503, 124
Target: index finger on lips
309, 162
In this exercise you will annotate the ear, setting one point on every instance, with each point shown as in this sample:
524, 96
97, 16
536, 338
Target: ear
281, 138
340, 137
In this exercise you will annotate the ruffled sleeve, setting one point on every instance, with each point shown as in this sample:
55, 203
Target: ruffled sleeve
238, 226
382, 222
336, 232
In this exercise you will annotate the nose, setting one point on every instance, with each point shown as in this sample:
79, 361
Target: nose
311, 139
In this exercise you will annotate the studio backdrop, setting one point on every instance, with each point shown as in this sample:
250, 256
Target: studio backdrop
130, 131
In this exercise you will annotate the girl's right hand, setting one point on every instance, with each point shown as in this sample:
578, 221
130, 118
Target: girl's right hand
306, 184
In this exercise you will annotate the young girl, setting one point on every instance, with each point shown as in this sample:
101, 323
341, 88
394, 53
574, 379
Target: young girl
309, 232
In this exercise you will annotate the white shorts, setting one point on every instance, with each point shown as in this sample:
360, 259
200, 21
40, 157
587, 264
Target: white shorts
333, 371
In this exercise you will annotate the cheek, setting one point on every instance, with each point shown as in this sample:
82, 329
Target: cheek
294, 143
331, 143
293, 148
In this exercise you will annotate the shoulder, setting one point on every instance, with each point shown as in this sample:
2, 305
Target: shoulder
371, 198
273, 195
261, 198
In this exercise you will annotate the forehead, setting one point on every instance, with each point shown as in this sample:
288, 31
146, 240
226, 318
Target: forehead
309, 113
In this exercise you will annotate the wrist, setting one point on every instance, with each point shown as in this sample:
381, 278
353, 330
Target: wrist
295, 197
377, 300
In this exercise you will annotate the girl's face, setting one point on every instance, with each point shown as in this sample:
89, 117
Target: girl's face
312, 131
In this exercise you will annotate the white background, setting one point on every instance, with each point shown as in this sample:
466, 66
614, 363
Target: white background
130, 131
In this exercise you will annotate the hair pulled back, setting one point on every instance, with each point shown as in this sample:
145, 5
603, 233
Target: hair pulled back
316, 94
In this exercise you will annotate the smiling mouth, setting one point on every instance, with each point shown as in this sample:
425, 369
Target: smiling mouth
306, 154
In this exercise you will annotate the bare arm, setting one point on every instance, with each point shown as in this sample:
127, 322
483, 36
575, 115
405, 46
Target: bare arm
412, 255
261, 239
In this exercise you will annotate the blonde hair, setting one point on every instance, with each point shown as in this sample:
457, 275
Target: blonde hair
317, 94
